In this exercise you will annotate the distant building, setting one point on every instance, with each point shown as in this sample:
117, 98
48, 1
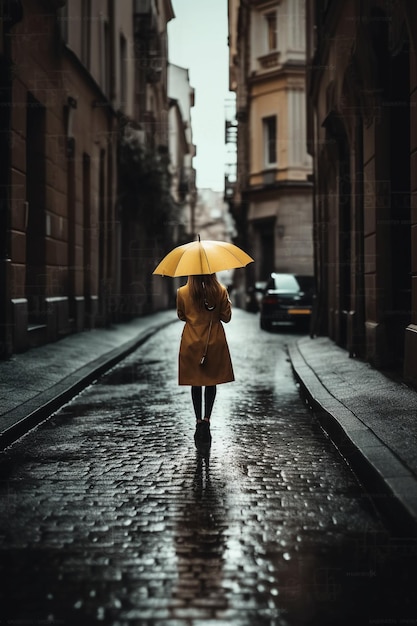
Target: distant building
212, 217
213, 220
271, 197
182, 151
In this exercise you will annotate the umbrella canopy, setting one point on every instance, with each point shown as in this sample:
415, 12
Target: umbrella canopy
202, 257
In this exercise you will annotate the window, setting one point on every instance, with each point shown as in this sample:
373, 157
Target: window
270, 139
271, 25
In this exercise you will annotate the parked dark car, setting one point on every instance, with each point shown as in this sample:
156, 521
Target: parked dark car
287, 298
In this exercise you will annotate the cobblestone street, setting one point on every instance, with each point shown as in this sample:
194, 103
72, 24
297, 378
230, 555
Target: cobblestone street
109, 515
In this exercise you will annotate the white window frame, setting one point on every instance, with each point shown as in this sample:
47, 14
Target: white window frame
271, 23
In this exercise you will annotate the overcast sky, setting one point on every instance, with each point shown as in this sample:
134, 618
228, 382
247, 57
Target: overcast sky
197, 40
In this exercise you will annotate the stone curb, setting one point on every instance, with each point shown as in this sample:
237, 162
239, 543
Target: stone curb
391, 486
32, 412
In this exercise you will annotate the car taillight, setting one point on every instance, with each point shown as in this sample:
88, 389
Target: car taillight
270, 300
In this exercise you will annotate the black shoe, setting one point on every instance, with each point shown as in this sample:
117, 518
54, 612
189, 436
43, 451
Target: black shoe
202, 434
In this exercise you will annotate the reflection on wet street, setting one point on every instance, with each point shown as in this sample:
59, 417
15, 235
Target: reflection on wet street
200, 543
109, 514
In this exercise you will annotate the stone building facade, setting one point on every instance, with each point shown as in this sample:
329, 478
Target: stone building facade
272, 196
182, 152
362, 117
83, 118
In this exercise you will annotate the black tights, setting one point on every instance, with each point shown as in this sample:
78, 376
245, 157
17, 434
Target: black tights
209, 397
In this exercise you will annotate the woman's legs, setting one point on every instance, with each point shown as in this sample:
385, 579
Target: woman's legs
196, 395
202, 431
209, 397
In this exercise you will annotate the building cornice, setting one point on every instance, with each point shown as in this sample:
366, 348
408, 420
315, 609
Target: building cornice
284, 71
271, 190
169, 10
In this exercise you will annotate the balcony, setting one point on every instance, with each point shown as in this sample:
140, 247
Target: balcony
154, 67
269, 61
230, 134
184, 183
145, 19
230, 185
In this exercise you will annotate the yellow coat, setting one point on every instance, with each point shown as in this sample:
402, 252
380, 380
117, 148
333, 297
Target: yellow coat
217, 367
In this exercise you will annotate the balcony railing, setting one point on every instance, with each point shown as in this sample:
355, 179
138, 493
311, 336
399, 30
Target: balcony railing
145, 19
269, 61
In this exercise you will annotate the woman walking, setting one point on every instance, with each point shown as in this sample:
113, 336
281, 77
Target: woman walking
204, 357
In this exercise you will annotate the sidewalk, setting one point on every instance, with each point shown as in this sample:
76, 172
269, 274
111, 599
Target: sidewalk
371, 419
37, 382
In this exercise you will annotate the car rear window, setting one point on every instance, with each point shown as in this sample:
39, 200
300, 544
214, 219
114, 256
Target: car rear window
286, 282
289, 282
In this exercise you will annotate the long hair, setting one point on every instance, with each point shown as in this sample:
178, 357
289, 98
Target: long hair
205, 290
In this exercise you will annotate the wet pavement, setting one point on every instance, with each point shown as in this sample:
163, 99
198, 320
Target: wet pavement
109, 515
371, 416
37, 382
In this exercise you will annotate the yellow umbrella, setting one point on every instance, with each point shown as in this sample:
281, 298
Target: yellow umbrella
202, 257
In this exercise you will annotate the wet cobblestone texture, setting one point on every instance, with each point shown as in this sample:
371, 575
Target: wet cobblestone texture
108, 515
